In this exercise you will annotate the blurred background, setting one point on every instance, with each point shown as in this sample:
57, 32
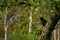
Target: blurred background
20, 19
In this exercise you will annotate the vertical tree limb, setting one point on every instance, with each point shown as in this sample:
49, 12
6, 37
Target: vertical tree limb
50, 26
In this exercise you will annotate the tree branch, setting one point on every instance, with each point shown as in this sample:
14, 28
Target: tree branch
50, 26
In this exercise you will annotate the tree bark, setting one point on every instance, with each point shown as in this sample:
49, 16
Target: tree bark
50, 26
55, 34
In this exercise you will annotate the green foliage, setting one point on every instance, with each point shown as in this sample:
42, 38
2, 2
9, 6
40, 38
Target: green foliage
39, 7
58, 4
34, 2
19, 35
22, 36
10, 3
39, 29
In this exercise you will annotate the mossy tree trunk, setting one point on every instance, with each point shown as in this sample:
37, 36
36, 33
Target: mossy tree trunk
49, 27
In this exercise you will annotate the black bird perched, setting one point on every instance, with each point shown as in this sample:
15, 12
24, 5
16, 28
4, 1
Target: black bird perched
43, 21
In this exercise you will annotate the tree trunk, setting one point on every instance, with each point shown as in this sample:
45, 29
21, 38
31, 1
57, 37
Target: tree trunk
55, 34
5, 25
50, 26
58, 34
30, 17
